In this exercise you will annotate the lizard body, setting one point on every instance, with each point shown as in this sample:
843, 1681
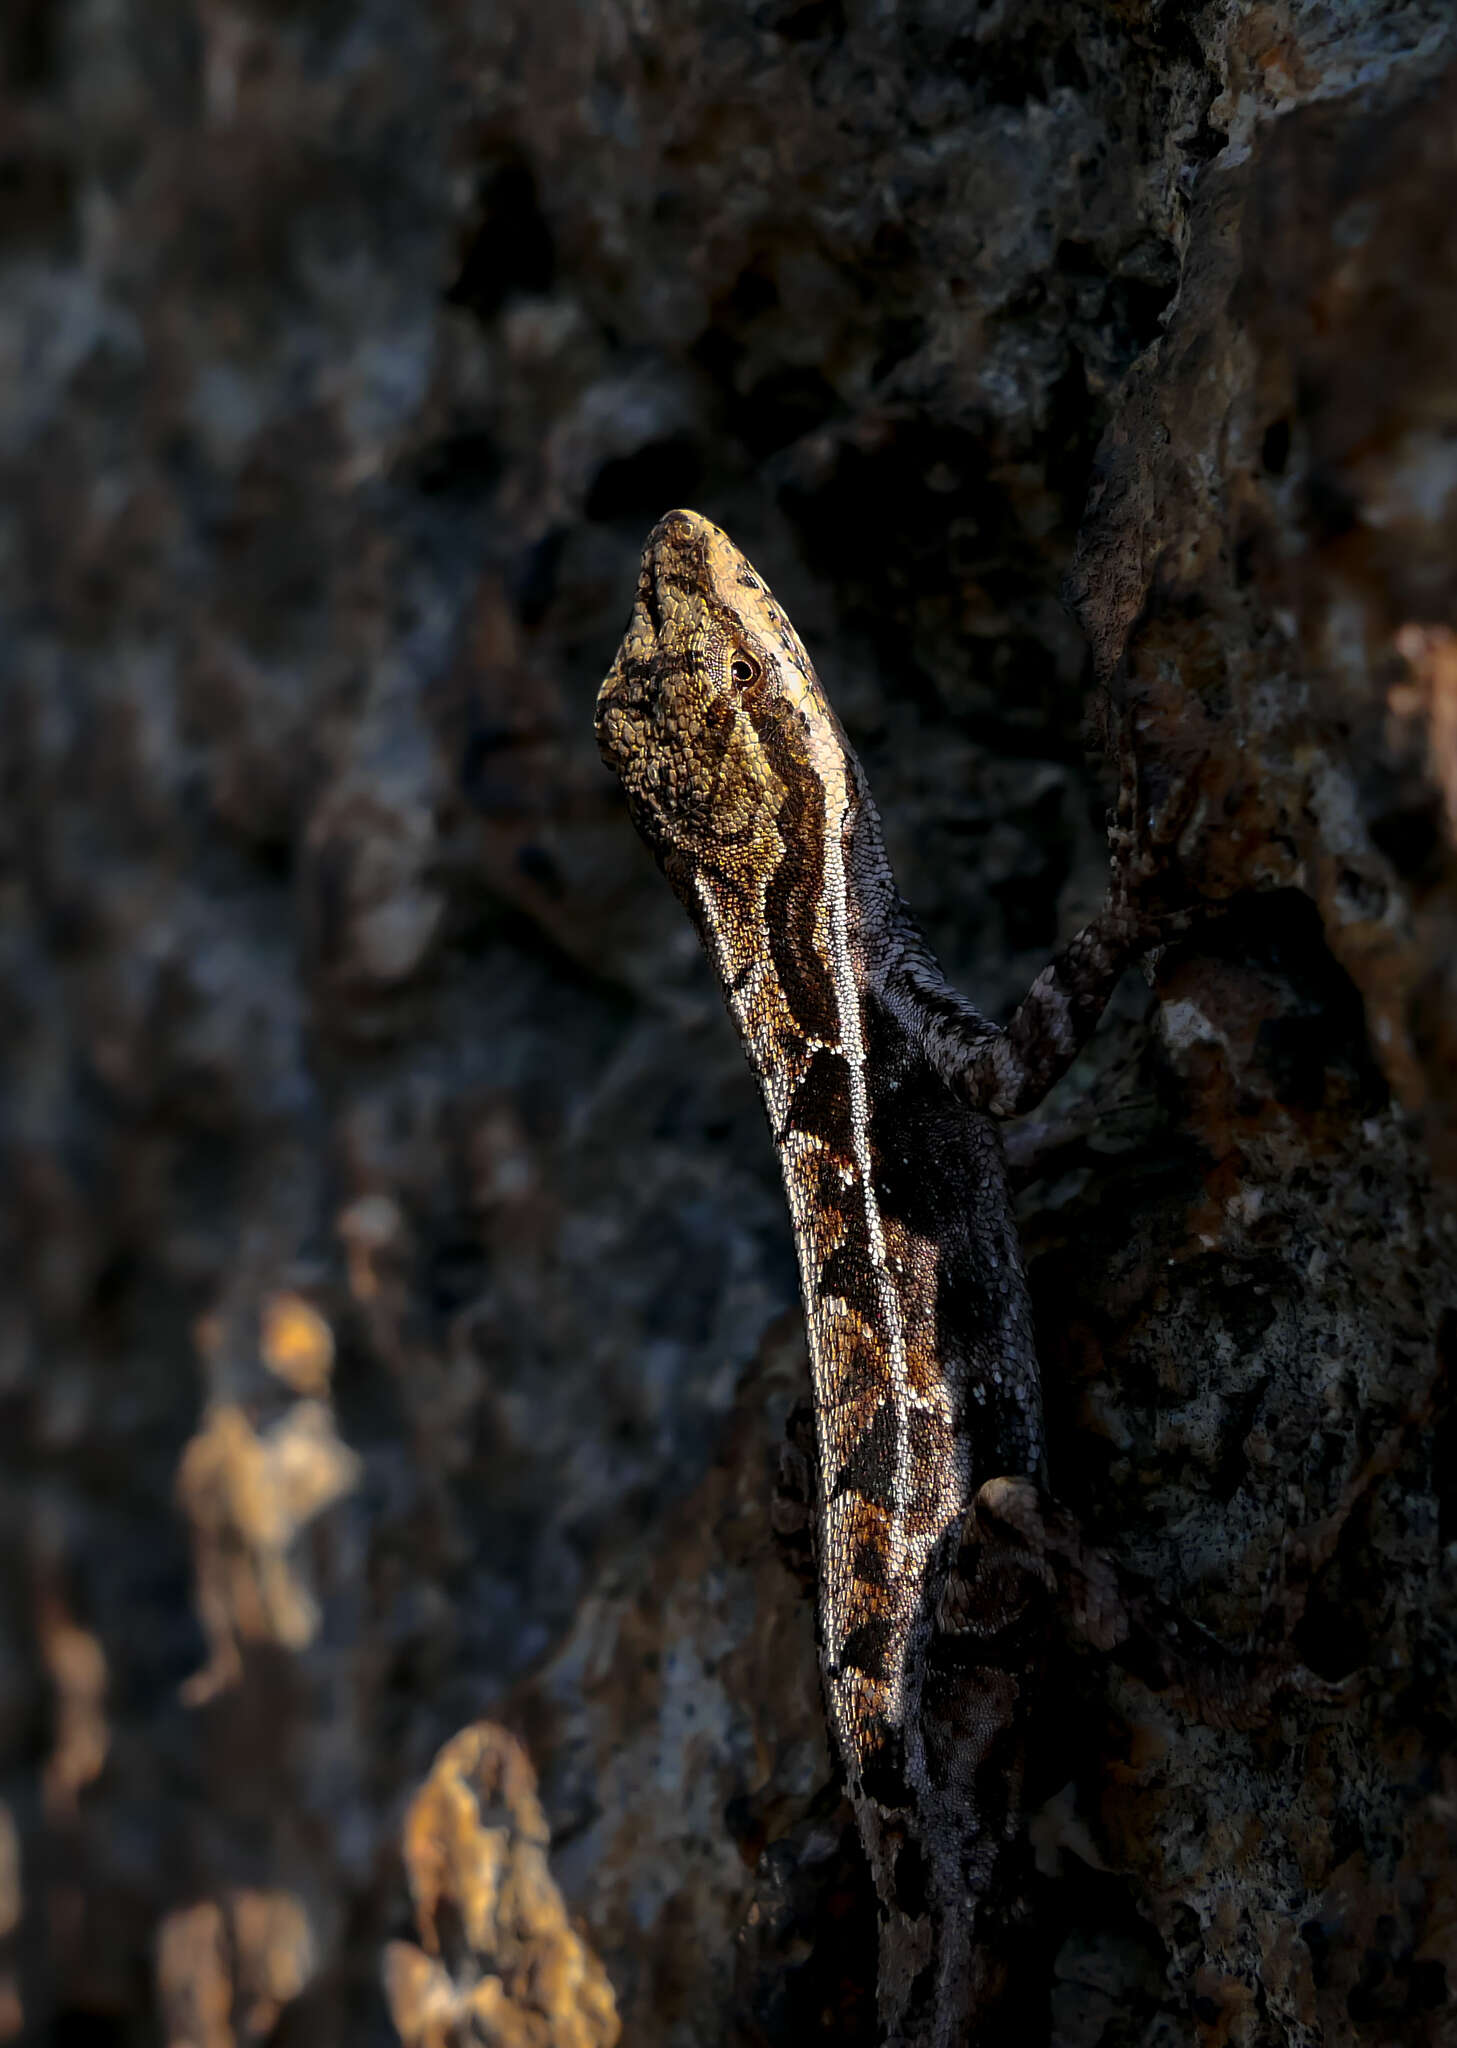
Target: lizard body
884, 1089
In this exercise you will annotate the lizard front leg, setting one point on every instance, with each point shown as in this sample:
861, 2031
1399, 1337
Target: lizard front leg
1019, 1544
1005, 1071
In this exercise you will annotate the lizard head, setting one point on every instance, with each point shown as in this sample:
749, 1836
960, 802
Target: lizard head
712, 715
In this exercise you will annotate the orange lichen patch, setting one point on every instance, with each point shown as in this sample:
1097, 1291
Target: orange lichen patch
194, 1983
297, 1344
1430, 699
12, 2012
76, 1664
226, 1968
496, 1957
247, 1496
274, 1953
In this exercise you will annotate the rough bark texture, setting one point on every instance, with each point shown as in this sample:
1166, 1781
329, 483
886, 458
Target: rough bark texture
398, 1333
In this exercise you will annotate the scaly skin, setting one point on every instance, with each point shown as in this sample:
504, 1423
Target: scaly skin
883, 1087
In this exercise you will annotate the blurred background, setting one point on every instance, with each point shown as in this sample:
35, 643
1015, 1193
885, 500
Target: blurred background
400, 1316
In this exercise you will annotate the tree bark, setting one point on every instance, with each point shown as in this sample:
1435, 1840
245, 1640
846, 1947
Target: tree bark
399, 1329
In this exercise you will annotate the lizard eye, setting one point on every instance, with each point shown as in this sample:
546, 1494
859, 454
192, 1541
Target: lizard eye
744, 670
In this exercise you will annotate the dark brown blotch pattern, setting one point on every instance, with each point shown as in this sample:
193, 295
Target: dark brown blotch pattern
857, 1370
832, 1196
871, 1646
847, 1275
820, 1107
870, 1561
795, 891
870, 1470
882, 1766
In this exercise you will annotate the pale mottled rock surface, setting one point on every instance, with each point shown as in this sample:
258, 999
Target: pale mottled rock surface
392, 1337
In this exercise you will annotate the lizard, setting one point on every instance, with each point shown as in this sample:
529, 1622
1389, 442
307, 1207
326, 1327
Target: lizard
939, 1552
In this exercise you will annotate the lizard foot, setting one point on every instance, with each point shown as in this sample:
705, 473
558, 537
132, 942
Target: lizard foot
1014, 1527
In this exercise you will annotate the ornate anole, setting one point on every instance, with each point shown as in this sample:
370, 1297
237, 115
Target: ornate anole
939, 1554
